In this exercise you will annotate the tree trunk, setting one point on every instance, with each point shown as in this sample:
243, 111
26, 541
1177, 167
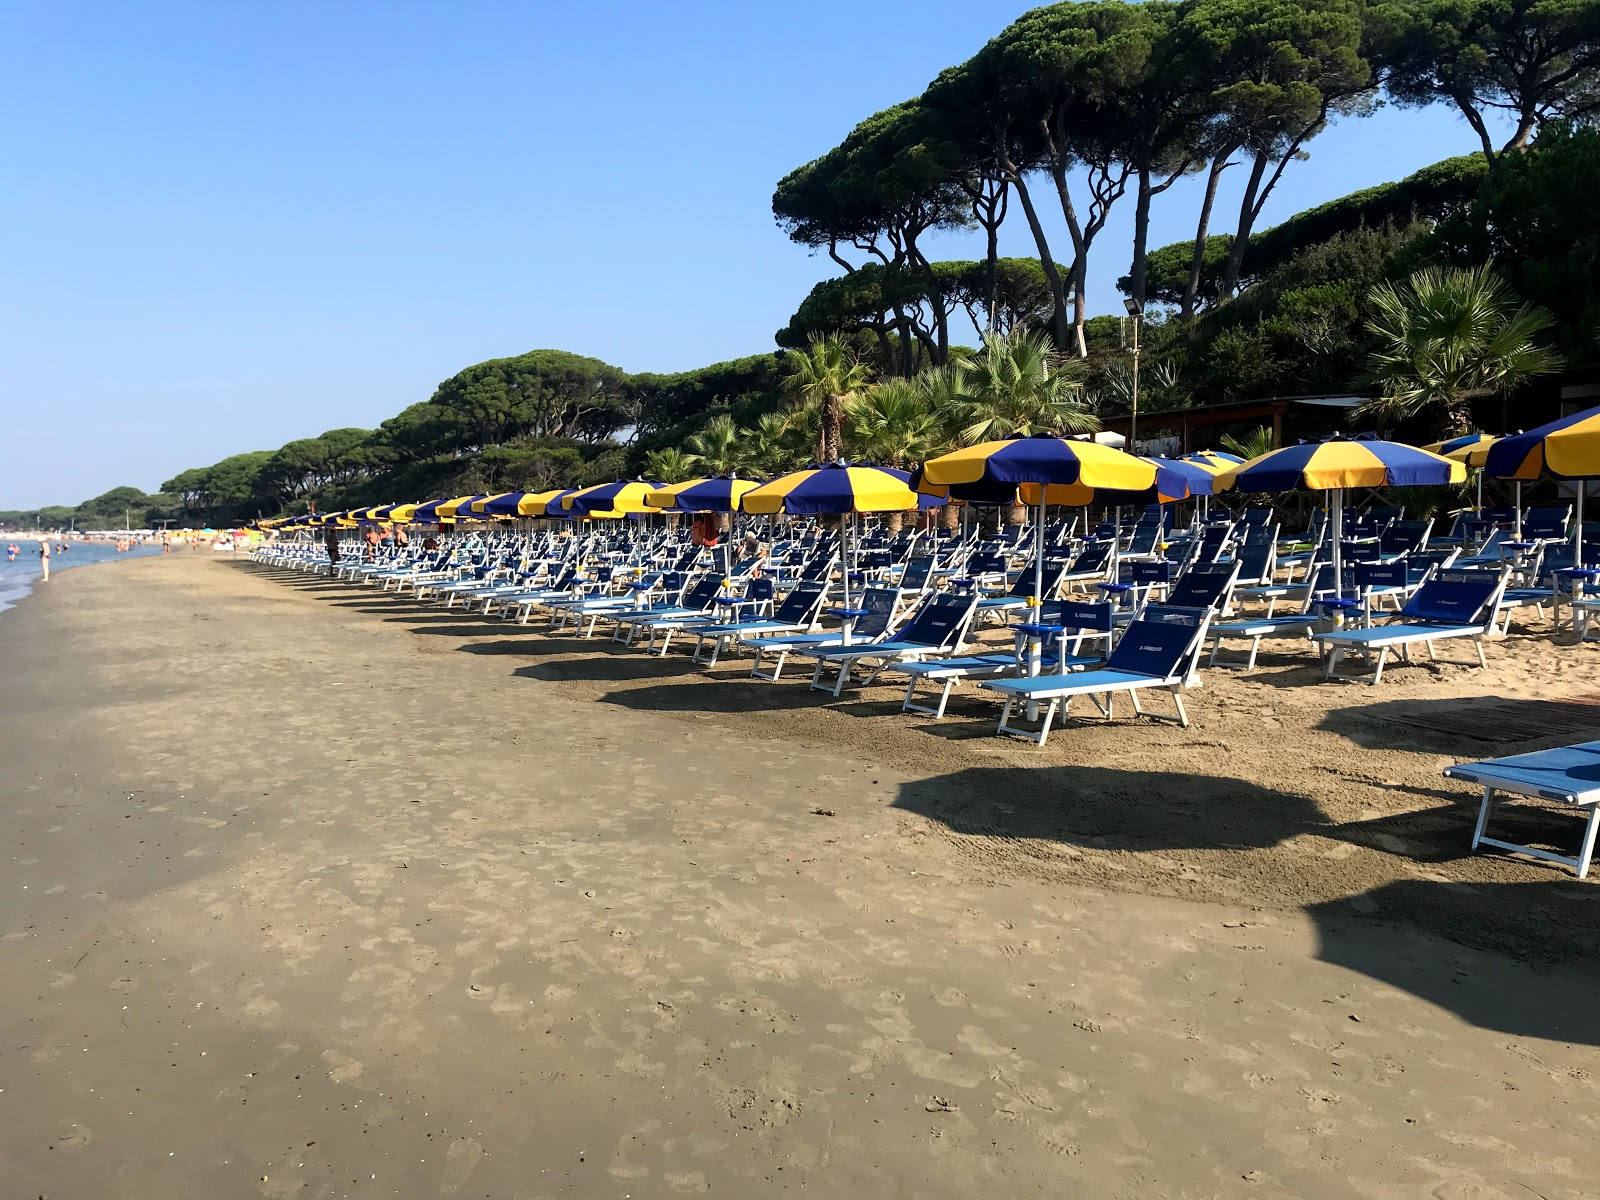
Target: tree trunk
1141, 238
1197, 264
1247, 219
991, 271
832, 427
1052, 274
1458, 417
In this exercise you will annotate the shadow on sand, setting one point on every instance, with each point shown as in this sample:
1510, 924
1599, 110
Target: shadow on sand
1492, 992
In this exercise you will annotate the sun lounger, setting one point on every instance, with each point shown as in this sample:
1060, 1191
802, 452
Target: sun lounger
757, 596
872, 622
1051, 643
1152, 655
1567, 775
797, 614
1440, 609
935, 630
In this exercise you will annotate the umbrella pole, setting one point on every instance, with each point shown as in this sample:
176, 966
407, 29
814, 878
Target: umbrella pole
1038, 554
1577, 546
844, 571
1336, 524
1518, 534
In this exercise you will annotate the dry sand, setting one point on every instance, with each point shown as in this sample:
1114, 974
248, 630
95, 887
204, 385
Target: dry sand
311, 893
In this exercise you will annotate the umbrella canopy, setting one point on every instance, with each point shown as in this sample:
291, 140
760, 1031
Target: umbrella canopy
834, 488
479, 506
401, 512
1339, 463
1213, 460
1566, 449
431, 510
1043, 458
536, 504
717, 493
619, 498
1473, 449
1173, 481
452, 508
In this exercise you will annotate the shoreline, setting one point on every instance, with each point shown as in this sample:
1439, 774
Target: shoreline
302, 867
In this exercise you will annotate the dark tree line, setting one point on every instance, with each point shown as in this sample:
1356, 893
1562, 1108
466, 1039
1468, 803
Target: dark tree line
1078, 107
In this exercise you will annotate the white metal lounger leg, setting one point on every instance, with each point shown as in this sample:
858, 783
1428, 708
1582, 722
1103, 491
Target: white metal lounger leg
937, 711
1580, 864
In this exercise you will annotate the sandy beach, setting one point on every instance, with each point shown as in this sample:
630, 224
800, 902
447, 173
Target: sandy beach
310, 893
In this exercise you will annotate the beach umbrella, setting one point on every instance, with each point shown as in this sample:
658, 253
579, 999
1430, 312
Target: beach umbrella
447, 510
837, 489
1219, 460
1568, 448
1473, 451
401, 513
715, 493
618, 498
479, 506
1066, 471
534, 504
431, 510
1335, 465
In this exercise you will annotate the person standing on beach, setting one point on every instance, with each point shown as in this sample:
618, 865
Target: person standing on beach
44, 560
330, 539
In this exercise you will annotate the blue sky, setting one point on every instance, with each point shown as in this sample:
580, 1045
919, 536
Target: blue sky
223, 226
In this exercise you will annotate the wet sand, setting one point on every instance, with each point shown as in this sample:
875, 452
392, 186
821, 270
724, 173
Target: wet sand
313, 894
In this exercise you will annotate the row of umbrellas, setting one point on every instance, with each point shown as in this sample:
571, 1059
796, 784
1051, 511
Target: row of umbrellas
1048, 470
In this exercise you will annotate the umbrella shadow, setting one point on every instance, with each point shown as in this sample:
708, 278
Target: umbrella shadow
1414, 935
1474, 726
1109, 808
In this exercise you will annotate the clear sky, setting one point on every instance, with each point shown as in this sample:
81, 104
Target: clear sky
223, 226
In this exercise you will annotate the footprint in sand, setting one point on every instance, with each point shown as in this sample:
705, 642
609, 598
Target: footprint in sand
460, 1161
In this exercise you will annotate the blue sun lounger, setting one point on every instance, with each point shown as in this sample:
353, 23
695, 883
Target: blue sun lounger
872, 622
935, 630
796, 615
1152, 655
1566, 775
1439, 609
1062, 626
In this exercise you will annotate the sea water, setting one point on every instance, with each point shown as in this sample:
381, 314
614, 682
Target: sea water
18, 578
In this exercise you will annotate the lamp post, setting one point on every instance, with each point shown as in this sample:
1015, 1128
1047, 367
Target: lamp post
1136, 311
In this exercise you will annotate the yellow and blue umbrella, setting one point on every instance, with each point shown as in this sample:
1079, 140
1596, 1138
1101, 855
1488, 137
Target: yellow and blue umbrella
1341, 463
1213, 460
834, 488
479, 506
433, 509
450, 509
716, 493
536, 504
837, 489
1568, 448
1472, 449
1068, 471
615, 499
1337, 464
1565, 449
1046, 459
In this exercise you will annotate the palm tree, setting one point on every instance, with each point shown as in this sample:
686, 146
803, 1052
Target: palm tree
670, 465
828, 373
1445, 336
1251, 445
716, 448
1018, 385
892, 423
781, 441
